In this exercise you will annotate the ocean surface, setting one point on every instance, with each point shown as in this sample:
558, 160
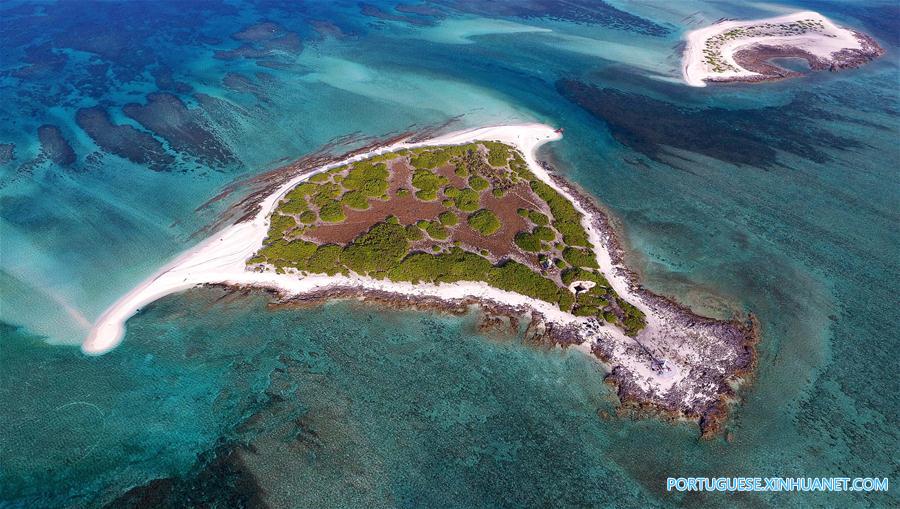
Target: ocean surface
119, 121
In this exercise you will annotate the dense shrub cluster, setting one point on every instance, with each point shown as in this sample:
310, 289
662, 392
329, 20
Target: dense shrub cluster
484, 222
427, 184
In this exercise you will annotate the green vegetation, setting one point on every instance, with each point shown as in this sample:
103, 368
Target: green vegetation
484, 222
498, 153
308, 217
280, 225
414, 233
527, 242
567, 220
332, 212
294, 206
431, 159
468, 200
448, 218
436, 231
378, 249
534, 216
477, 183
580, 257
427, 183
325, 260
544, 233
370, 180
552, 251
355, 200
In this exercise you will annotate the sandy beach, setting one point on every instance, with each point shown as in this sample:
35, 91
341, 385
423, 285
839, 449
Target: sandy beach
822, 44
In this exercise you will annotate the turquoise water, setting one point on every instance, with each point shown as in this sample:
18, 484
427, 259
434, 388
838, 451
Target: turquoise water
778, 199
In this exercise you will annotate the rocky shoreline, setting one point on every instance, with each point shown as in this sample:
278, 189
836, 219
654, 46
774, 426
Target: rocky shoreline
739, 335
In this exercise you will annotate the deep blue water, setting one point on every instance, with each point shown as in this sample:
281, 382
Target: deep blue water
779, 199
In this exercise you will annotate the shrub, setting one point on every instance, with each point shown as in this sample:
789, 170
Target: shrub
355, 200
320, 177
402, 192
498, 153
484, 222
367, 178
448, 203
382, 246
498, 192
478, 183
582, 310
451, 192
579, 274
308, 217
544, 233
279, 225
461, 170
392, 219
573, 233
294, 252
326, 193
515, 277
580, 257
527, 242
325, 260
414, 233
436, 231
566, 299
332, 212
448, 218
534, 216
431, 159
468, 200
301, 191
567, 219
427, 184
294, 206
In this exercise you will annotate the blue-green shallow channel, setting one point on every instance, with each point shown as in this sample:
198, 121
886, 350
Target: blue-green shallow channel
778, 199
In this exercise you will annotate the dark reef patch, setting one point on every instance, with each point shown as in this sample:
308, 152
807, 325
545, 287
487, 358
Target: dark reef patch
220, 480
576, 11
7, 152
55, 146
123, 140
262, 40
167, 116
165, 81
41, 61
737, 136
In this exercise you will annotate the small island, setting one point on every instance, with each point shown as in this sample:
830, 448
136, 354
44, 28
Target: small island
730, 50
468, 218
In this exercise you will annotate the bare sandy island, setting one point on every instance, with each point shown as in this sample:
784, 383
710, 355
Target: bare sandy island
731, 50
679, 363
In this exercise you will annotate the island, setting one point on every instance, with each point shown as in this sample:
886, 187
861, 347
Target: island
747, 51
470, 218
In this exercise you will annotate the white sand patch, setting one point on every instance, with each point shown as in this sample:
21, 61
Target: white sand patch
822, 42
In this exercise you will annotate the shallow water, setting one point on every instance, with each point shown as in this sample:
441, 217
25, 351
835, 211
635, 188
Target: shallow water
777, 199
